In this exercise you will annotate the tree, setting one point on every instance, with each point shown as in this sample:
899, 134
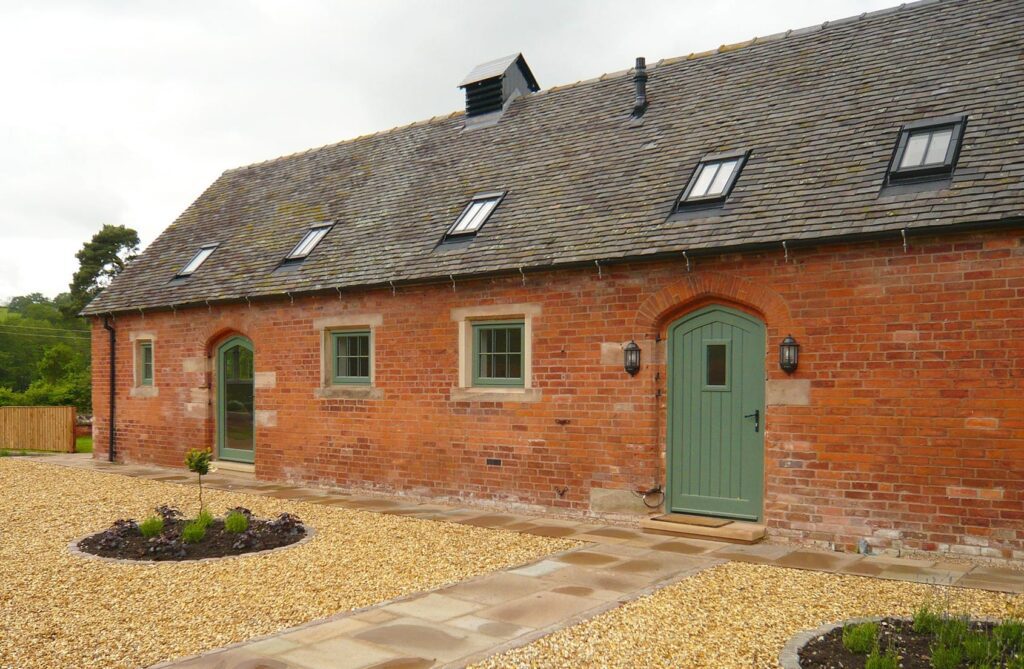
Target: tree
58, 362
99, 261
20, 303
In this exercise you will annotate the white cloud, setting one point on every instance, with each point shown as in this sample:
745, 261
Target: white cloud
122, 112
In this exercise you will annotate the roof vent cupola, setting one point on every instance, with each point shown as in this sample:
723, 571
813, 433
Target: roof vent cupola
491, 86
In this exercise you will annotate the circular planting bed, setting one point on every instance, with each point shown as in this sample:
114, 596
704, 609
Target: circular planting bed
168, 536
927, 641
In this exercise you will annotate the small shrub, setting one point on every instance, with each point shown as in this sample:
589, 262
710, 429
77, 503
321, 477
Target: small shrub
4, 453
946, 657
205, 518
236, 522
860, 638
952, 632
1009, 634
193, 532
198, 461
980, 649
151, 526
926, 621
880, 660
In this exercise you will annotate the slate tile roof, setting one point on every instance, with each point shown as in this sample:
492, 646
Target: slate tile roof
819, 108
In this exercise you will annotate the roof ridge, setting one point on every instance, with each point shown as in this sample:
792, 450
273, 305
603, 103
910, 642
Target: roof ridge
722, 49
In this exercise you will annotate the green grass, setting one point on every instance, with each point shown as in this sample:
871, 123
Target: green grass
83, 445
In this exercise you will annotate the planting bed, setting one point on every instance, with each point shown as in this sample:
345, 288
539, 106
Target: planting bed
124, 540
973, 644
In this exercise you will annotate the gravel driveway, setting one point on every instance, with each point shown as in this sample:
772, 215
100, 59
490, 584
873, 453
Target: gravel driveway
62, 610
736, 615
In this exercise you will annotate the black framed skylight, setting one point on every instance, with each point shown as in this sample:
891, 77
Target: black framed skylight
309, 241
198, 259
927, 149
713, 180
474, 215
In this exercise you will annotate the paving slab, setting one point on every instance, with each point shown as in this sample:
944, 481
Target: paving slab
497, 588
435, 607
814, 560
331, 652
540, 609
421, 638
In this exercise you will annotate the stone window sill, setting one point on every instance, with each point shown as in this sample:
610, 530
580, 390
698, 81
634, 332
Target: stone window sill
349, 393
495, 395
144, 391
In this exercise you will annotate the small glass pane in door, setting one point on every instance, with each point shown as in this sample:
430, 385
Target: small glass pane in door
716, 357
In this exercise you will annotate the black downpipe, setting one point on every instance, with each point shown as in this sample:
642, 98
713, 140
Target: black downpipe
112, 449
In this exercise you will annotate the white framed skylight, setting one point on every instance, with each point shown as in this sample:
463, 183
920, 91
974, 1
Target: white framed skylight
713, 179
309, 241
198, 259
475, 214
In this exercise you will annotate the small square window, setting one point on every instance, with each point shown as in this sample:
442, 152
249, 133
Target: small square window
498, 353
351, 356
927, 149
145, 363
475, 214
309, 241
198, 259
713, 180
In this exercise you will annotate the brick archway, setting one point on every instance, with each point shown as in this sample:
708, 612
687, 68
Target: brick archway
704, 288
223, 330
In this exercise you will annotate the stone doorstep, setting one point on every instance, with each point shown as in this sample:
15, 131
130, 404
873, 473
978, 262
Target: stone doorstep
735, 532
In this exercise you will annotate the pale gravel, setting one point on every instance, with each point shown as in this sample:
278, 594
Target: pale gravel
736, 616
61, 610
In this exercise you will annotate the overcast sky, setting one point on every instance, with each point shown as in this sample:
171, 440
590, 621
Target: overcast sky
122, 112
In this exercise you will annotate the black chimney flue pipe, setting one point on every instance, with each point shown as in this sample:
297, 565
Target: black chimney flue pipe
640, 81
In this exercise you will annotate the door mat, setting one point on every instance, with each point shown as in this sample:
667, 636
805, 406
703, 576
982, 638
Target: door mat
687, 519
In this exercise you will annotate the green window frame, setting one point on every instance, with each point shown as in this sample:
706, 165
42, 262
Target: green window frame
351, 352
146, 363
499, 353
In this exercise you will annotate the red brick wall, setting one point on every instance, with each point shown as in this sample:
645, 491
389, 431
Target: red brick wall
913, 434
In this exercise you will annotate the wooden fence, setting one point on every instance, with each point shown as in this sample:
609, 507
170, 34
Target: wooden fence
38, 428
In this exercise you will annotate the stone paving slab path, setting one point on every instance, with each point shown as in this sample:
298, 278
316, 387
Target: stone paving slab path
468, 621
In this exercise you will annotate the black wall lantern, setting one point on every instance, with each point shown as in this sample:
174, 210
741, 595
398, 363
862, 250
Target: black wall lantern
789, 354
631, 357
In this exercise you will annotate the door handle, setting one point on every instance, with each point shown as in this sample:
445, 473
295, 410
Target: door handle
757, 419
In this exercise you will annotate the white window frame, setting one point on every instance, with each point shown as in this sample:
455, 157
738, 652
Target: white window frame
198, 259
311, 239
475, 214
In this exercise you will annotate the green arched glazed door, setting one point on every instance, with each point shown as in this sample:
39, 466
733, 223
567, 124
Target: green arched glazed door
236, 424
716, 414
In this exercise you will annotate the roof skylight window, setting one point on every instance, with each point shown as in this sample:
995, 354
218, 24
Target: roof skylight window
198, 259
927, 149
309, 241
713, 179
475, 214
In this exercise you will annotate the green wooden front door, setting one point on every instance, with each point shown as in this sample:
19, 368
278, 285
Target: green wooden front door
716, 414
236, 425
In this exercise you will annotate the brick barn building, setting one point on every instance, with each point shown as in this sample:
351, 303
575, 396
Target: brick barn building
566, 298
